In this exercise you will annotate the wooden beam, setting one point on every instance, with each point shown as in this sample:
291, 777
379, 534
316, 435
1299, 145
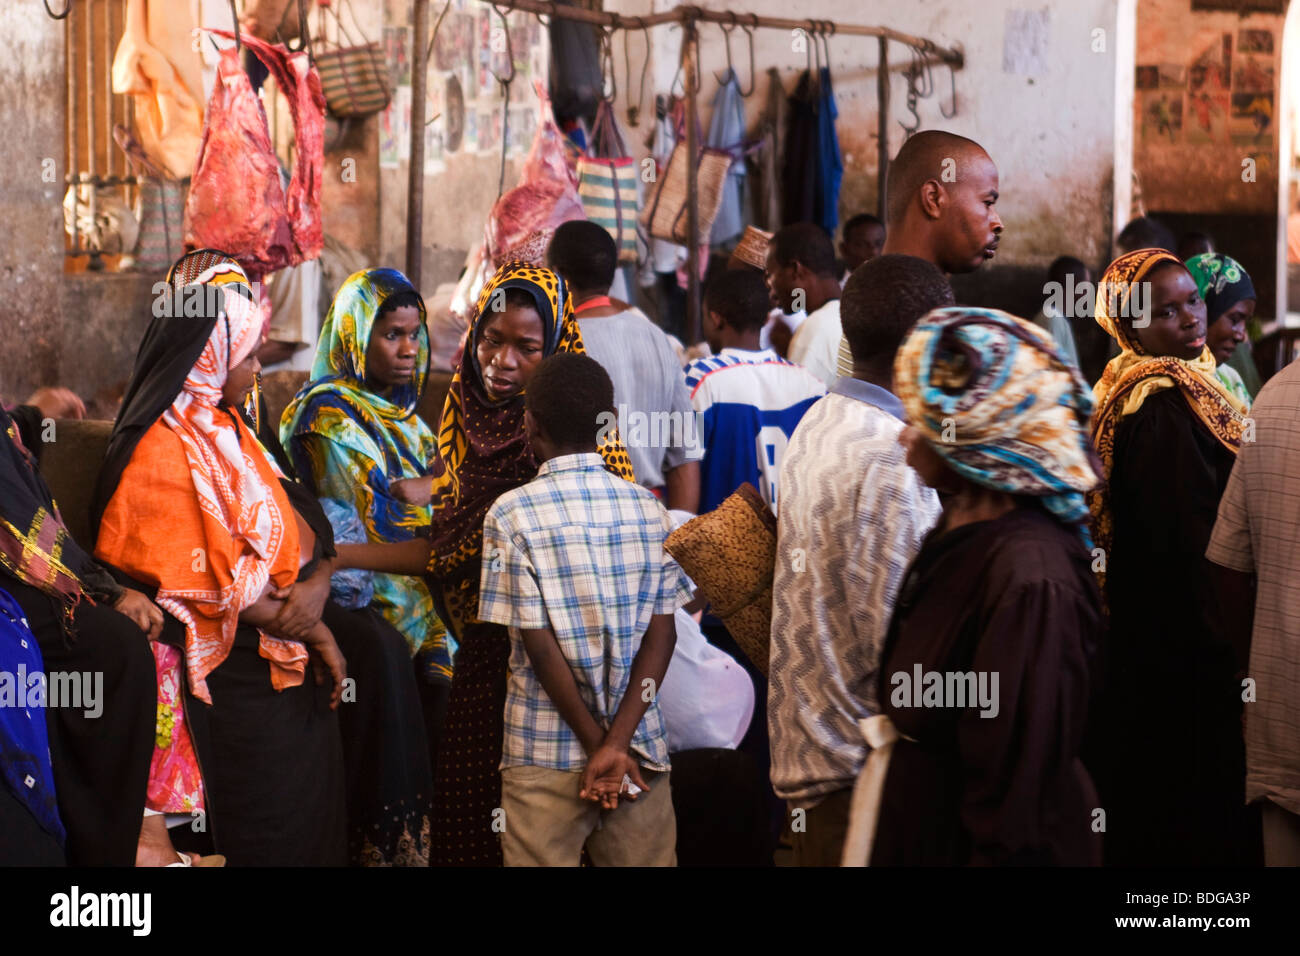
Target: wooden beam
415, 171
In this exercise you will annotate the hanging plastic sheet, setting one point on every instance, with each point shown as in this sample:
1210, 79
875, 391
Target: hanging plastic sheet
726, 131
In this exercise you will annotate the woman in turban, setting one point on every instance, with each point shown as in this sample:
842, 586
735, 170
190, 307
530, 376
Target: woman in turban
986, 672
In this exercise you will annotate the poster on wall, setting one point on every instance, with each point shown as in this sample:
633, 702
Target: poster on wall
1255, 41
469, 144
1251, 120
1210, 70
1253, 74
435, 160
397, 50
489, 130
395, 129
453, 115
1162, 116
1207, 118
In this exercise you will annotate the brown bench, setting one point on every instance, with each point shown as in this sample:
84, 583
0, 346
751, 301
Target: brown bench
70, 466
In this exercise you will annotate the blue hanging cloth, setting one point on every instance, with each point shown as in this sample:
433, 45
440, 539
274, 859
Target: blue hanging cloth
24, 742
727, 132
830, 167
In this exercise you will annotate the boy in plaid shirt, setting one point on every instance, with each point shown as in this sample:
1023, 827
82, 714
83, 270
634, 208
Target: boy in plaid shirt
574, 566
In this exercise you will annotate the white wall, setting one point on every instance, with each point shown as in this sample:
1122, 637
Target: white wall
1052, 131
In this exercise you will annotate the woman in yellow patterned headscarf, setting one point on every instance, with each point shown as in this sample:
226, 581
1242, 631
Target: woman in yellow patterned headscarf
524, 314
1167, 432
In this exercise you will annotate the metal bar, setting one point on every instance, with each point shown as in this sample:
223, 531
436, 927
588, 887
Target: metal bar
882, 131
415, 174
90, 89
690, 65
108, 87
70, 91
95, 263
682, 13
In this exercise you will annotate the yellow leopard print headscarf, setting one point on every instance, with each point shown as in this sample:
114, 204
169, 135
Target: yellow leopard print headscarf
483, 449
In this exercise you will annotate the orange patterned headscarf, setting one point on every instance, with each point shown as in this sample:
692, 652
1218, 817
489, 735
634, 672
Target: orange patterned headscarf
199, 510
1134, 375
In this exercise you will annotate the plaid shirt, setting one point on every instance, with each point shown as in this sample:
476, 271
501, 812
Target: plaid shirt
580, 551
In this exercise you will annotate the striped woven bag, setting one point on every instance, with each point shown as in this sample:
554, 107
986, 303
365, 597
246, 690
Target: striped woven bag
607, 183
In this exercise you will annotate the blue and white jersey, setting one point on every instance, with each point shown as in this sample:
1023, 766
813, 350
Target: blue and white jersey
750, 403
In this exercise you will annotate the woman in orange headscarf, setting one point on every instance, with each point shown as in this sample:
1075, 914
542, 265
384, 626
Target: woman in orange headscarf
1167, 748
192, 507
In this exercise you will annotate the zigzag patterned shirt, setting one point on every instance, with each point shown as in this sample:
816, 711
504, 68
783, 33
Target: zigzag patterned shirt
853, 515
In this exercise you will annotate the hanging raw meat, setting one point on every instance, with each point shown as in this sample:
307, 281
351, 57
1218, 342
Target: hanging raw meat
236, 201
524, 219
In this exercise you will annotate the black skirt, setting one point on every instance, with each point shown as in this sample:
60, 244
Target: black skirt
272, 764
385, 748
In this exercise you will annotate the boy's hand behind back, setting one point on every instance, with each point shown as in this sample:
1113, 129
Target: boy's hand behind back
602, 778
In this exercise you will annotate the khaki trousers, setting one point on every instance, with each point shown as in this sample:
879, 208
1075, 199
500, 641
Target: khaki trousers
547, 823
824, 829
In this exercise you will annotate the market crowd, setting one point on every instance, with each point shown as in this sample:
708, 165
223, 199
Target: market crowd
1014, 617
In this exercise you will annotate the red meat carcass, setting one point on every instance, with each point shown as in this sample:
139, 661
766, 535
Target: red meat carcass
236, 202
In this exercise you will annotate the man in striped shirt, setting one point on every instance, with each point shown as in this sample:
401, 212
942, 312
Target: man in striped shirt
750, 399
853, 515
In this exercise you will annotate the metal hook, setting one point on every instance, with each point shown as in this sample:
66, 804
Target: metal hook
827, 31
550, 13
607, 59
726, 39
234, 15
510, 51
58, 16
753, 79
952, 77
808, 38
634, 112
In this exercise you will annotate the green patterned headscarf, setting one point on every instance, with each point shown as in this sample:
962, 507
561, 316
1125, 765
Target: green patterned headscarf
350, 443
1221, 282
382, 427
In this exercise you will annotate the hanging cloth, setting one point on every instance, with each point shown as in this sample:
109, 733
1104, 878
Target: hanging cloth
830, 168
157, 65
765, 164
726, 131
800, 170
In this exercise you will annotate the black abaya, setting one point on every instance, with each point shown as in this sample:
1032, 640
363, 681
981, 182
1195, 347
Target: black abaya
1012, 597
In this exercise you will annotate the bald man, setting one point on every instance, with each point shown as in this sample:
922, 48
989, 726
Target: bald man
942, 192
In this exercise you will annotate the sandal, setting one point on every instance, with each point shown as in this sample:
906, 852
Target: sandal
183, 859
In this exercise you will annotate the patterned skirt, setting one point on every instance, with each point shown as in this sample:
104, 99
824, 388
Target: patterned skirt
467, 784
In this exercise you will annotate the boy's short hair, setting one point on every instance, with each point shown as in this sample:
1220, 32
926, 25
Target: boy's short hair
861, 220
1145, 232
883, 300
566, 396
740, 296
585, 254
807, 243
1063, 266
